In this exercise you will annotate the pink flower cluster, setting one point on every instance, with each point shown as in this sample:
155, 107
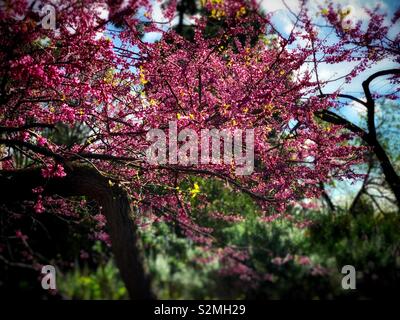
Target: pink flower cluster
53, 171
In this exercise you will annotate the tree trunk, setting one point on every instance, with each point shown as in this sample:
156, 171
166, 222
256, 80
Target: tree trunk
388, 170
326, 197
85, 181
370, 137
390, 174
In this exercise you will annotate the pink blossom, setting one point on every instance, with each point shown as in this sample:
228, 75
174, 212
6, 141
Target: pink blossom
20, 235
303, 260
318, 270
41, 141
269, 277
278, 261
84, 255
100, 220
38, 207
52, 170
103, 236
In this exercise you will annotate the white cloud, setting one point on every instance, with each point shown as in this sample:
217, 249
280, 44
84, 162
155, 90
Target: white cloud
276, 5
357, 12
151, 37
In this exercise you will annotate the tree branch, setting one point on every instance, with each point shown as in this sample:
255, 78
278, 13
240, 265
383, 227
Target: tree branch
85, 181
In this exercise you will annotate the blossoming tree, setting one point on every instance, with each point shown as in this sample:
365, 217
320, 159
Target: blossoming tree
232, 70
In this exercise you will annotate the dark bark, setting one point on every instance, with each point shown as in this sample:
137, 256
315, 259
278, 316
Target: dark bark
357, 199
86, 181
390, 174
370, 137
181, 11
326, 198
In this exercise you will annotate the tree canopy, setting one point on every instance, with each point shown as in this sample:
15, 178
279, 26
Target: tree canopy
229, 69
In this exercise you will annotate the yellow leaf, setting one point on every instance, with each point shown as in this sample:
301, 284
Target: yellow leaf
195, 190
268, 107
324, 11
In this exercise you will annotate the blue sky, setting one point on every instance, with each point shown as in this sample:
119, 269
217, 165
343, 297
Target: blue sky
352, 111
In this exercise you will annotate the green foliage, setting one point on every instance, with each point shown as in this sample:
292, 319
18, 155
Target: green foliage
101, 282
368, 240
173, 264
371, 243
